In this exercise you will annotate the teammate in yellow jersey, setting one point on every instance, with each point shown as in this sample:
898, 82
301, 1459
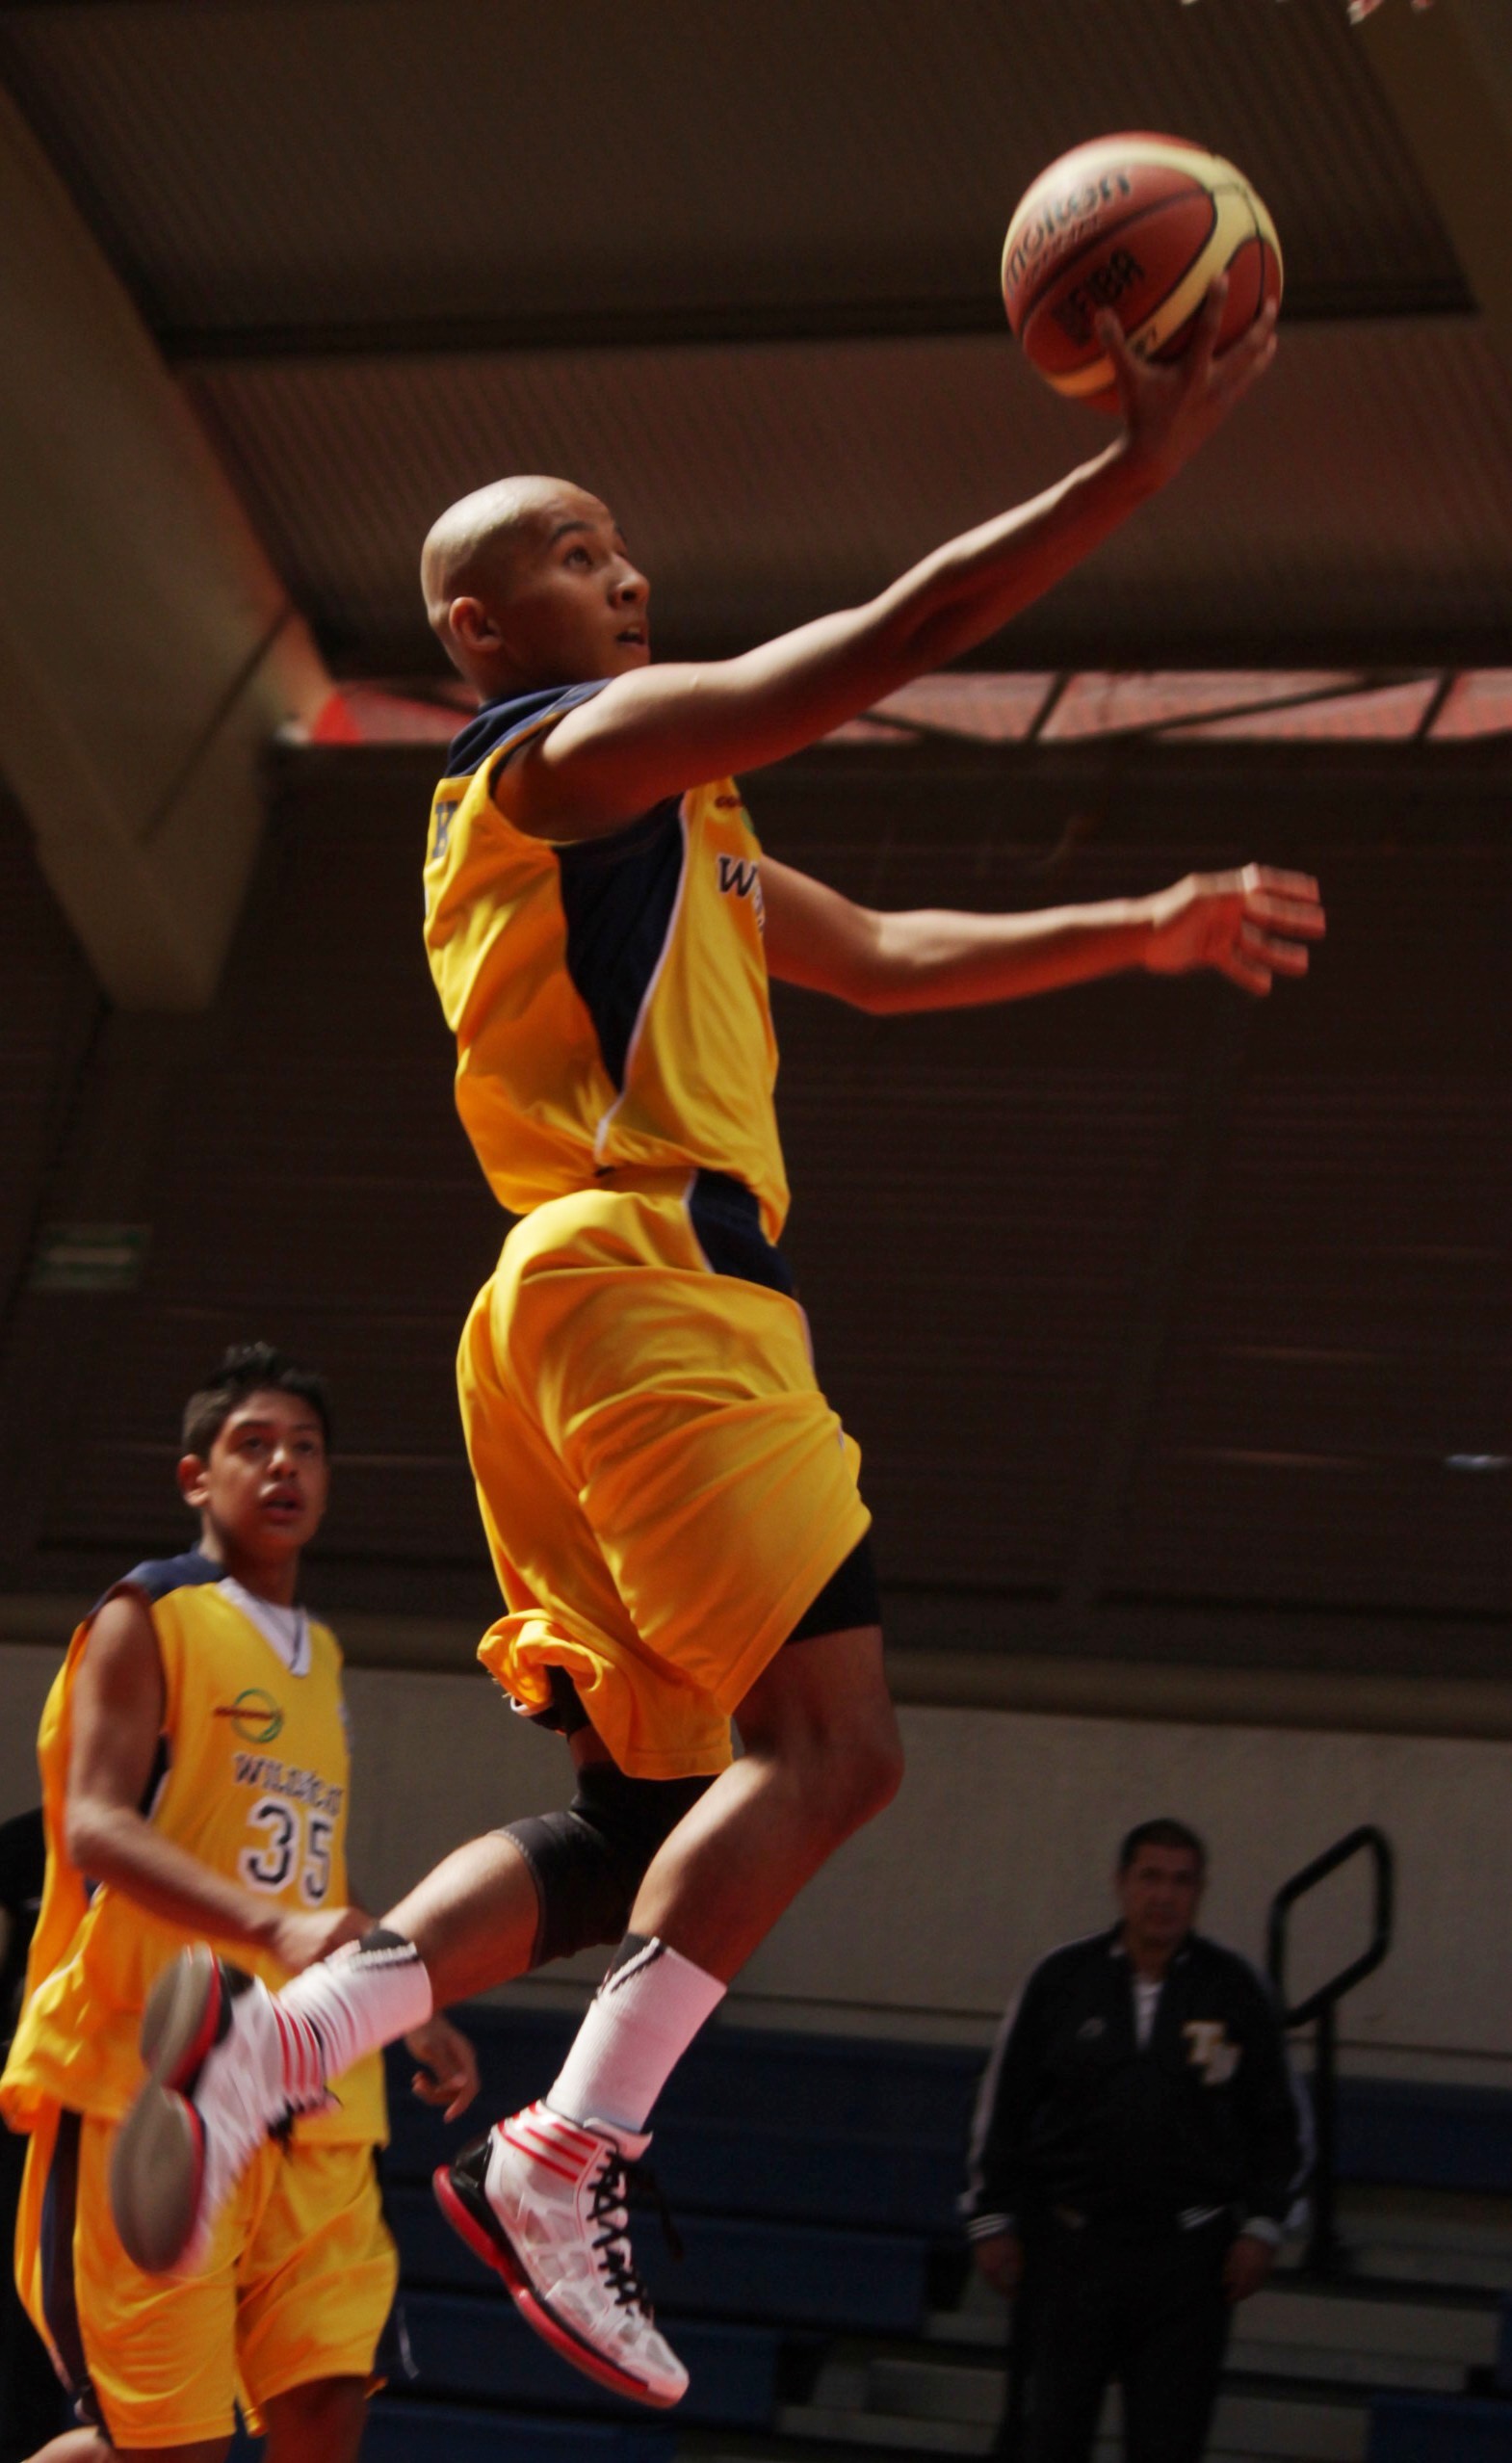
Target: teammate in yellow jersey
672, 1507
195, 1781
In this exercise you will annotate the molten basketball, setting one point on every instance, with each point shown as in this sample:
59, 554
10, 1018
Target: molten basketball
1143, 225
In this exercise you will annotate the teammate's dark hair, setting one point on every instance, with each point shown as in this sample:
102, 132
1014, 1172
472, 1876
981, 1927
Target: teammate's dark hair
250, 1368
1162, 1832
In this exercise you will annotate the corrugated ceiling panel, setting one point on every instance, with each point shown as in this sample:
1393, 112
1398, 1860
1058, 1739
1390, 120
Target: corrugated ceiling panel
1361, 502
279, 163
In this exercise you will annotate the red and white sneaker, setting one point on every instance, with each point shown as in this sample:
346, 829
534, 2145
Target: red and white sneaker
545, 2203
217, 2085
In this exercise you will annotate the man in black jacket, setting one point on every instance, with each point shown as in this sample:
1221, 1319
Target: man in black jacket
1138, 2145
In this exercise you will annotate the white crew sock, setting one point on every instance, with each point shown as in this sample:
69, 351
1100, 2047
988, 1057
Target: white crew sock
636, 2029
366, 1995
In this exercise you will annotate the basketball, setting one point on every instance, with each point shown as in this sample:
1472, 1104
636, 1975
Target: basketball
1141, 225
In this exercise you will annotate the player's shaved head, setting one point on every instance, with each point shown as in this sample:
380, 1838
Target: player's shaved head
477, 547
489, 558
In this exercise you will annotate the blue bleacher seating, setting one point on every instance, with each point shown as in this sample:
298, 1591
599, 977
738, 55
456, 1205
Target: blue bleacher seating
416, 2432
1426, 2137
448, 2433
866, 2282
1439, 2429
477, 2349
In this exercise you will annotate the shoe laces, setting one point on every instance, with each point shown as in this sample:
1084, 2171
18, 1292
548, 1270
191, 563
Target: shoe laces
618, 2185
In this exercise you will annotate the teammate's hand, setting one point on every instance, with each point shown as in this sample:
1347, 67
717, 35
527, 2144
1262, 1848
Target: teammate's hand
1247, 2265
1001, 2259
1171, 409
447, 2073
1252, 926
297, 1942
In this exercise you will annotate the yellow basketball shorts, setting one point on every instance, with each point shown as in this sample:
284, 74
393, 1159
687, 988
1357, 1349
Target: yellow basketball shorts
300, 2281
664, 1488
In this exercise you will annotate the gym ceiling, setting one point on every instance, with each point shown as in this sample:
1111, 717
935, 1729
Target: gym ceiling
286, 275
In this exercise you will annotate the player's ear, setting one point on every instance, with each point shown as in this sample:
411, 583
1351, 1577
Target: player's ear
194, 1480
472, 624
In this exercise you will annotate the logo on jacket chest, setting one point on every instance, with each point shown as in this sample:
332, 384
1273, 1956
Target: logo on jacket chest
1210, 2049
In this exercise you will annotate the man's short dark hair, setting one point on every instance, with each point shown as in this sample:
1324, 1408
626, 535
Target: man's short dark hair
250, 1368
1164, 1832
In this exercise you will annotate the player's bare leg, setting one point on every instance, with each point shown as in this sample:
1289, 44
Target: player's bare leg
822, 1755
543, 2199
319, 2422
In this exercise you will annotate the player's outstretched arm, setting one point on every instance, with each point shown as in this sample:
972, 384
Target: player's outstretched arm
117, 1718
1250, 926
659, 730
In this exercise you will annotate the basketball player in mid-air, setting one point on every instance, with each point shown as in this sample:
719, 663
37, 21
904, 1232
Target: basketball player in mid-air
671, 1505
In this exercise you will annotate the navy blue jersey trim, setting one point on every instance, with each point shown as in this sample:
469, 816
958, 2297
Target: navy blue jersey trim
619, 897
727, 1221
60, 2292
496, 720
157, 1576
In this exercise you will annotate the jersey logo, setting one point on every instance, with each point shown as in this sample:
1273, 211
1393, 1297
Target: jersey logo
443, 828
254, 1715
738, 874
1209, 2049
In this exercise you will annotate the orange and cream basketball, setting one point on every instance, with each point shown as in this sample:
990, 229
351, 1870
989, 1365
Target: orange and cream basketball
1142, 225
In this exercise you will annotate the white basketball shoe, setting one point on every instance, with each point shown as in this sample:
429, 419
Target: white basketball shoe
217, 2085
544, 2202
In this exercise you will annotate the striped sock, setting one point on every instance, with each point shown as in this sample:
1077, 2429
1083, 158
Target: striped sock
364, 1996
640, 2021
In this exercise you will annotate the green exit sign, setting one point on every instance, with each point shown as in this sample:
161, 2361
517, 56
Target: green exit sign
89, 1257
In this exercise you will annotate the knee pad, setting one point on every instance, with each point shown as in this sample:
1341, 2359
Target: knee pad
587, 1862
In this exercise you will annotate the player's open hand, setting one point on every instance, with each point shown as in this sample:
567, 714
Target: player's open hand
448, 2072
297, 1942
1172, 407
1252, 926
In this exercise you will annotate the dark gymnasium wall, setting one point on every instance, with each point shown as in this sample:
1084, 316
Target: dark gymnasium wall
1169, 1323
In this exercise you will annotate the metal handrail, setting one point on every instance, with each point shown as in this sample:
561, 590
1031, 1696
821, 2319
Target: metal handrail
1325, 2253
1367, 1837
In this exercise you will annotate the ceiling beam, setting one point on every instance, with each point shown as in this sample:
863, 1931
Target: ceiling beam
147, 650
940, 317
1446, 74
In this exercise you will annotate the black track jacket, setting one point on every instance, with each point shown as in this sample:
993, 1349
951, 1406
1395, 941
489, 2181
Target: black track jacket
1074, 2116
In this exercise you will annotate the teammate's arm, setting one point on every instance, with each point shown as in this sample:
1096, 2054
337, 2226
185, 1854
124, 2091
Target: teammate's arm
119, 1703
1251, 925
659, 730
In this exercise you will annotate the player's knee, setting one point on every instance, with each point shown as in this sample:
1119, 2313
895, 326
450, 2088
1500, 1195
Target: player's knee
847, 1774
588, 1862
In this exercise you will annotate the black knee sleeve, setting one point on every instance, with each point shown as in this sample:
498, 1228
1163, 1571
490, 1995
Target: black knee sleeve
587, 1862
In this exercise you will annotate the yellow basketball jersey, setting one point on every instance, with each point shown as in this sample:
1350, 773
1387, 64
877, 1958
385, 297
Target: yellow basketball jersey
254, 1776
608, 998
